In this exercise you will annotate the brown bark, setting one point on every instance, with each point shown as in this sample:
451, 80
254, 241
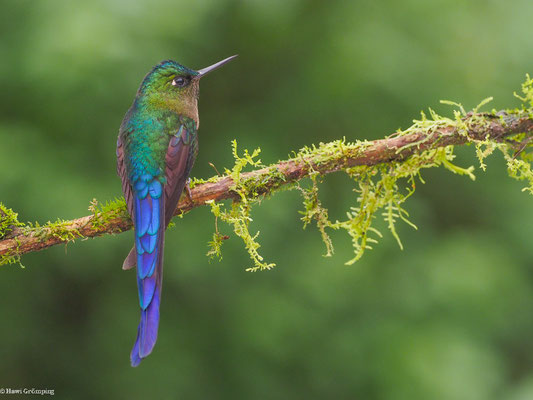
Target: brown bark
24, 240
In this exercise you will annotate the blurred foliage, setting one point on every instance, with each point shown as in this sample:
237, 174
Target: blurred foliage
447, 318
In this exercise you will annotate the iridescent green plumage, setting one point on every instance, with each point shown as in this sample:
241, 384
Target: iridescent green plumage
156, 149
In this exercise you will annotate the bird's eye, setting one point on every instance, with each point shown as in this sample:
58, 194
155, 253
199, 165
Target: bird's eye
180, 81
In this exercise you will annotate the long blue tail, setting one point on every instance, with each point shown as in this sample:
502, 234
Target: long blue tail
149, 239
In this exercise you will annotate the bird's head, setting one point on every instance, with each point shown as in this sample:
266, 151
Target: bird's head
172, 86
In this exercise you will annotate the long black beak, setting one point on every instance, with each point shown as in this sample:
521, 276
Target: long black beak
206, 70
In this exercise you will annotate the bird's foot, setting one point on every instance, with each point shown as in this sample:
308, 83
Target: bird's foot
188, 190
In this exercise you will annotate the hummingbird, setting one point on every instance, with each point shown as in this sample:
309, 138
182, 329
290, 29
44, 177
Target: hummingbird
156, 149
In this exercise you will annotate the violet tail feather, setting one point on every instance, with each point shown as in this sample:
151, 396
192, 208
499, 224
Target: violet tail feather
149, 240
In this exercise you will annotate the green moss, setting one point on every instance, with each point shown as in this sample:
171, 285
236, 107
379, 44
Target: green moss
381, 190
378, 187
238, 215
215, 245
527, 91
324, 152
313, 211
12, 257
62, 230
8, 220
215, 250
6, 259
197, 181
263, 183
519, 168
104, 213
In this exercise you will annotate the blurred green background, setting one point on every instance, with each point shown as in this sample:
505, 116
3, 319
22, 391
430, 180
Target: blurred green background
450, 317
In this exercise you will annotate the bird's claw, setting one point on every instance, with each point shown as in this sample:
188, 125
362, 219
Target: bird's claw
188, 190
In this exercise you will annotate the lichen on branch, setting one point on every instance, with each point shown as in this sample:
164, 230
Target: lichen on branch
385, 174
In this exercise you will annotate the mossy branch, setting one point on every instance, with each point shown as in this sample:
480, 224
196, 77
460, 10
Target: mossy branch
428, 142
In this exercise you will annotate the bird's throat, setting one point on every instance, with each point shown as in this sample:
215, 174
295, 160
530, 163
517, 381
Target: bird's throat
186, 106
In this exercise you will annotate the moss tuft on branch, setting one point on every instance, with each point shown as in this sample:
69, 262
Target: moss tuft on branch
385, 173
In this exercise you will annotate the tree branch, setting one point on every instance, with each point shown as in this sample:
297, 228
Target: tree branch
395, 148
